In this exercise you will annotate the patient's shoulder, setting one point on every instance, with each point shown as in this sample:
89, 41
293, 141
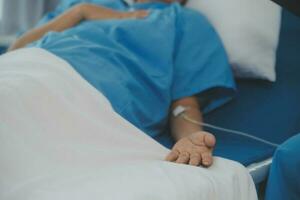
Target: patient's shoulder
190, 15
191, 19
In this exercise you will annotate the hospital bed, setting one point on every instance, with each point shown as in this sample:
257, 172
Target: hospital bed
262, 109
266, 110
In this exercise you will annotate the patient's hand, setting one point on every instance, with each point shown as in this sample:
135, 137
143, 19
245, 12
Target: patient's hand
195, 149
93, 12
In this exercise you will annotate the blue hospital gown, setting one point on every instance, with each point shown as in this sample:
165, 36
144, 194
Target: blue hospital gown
284, 177
142, 65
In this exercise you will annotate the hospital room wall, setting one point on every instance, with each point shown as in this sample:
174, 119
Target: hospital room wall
17, 16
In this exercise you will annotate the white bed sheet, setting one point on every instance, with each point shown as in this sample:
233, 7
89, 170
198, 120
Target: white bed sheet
60, 139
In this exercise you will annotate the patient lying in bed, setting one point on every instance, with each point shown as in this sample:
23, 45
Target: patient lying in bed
61, 139
147, 59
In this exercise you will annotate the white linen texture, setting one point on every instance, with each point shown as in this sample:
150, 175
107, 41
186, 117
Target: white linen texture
249, 30
60, 139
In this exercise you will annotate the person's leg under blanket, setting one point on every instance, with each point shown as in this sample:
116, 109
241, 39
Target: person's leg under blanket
284, 177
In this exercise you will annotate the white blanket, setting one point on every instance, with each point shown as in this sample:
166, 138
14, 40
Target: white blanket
61, 140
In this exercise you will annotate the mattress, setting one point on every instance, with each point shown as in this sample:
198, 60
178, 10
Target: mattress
263, 109
69, 144
269, 114
259, 171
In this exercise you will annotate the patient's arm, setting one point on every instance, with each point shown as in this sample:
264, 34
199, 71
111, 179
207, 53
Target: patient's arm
71, 18
194, 146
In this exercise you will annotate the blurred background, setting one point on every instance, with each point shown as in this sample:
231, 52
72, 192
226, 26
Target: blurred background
16, 16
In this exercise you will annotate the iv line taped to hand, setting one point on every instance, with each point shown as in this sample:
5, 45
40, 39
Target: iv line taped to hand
180, 111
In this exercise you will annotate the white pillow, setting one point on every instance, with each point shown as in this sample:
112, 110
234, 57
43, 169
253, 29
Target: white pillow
249, 30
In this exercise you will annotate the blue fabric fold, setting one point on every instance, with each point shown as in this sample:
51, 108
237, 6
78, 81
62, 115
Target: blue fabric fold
284, 177
143, 65
263, 109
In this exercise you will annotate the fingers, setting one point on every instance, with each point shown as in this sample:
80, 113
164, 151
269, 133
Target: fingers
207, 159
209, 140
194, 150
204, 139
195, 156
175, 156
198, 139
172, 156
195, 159
183, 158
